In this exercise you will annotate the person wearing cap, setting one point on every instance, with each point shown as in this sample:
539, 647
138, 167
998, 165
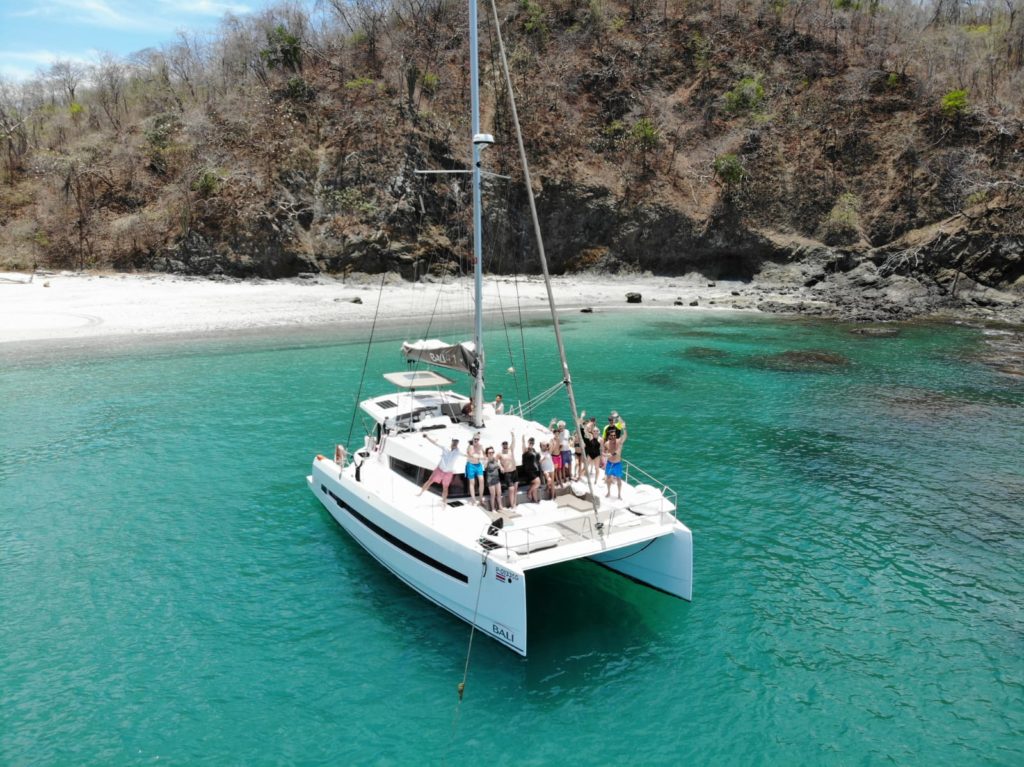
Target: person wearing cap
445, 468
613, 459
509, 475
613, 423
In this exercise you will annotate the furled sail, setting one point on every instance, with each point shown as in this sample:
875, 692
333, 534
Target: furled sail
436, 352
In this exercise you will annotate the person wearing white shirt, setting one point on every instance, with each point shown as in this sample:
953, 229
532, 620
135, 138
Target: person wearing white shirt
445, 468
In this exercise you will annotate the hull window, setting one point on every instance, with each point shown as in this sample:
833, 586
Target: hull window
396, 541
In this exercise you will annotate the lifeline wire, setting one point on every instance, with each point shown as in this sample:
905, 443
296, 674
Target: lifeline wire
366, 360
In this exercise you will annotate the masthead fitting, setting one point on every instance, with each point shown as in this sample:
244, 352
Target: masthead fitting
483, 140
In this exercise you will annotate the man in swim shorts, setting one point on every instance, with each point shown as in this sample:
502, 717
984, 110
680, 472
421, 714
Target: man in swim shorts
475, 468
613, 459
445, 468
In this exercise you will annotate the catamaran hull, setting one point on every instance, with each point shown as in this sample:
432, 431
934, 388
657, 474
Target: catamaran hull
665, 563
484, 593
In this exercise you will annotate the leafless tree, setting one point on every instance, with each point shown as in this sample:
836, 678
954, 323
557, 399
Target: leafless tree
109, 78
68, 75
368, 18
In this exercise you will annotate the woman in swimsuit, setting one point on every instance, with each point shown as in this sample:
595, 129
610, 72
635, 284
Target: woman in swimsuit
509, 475
492, 475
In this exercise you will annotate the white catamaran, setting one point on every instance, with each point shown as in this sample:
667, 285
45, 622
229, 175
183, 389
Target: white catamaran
455, 553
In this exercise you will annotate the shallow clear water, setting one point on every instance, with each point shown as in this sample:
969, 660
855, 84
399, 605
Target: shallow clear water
169, 590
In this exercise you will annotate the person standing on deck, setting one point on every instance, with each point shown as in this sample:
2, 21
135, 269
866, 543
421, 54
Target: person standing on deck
445, 468
492, 473
547, 467
555, 449
613, 464
531, 470
566, 446
475, 468
509, 475
499, 405
592, 448
613, 423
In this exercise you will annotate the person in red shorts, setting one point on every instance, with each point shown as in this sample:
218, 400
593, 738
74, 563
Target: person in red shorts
445, 468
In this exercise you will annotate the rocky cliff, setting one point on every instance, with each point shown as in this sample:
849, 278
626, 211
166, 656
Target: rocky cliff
734, 142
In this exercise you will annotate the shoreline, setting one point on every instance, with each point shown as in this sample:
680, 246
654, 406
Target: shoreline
65, 311
68, 309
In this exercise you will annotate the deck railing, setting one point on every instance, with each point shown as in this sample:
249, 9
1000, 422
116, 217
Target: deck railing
666, 503
584, 525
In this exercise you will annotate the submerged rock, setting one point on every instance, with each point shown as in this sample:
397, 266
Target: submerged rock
801, 361
703, 353
875, 331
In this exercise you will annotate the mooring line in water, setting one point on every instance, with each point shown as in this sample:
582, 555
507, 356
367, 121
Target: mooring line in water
469, 650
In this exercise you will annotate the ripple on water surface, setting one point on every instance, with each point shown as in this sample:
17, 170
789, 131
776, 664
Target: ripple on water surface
171, 591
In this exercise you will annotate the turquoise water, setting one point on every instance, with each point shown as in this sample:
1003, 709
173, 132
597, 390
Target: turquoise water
170, 592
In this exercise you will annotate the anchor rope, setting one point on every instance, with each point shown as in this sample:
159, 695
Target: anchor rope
469, 650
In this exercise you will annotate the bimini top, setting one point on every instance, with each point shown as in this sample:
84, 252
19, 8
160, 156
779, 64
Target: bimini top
417, 379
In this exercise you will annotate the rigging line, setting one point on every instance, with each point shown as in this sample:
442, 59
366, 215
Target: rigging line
528, 184
500, 261
522, 340
366, 360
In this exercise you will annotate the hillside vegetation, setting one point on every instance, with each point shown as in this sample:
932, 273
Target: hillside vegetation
850, 141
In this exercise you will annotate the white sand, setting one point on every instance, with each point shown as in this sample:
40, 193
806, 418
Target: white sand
68, 306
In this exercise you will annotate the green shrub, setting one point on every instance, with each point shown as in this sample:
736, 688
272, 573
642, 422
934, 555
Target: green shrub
747, 94
207, 184
535, 23
283, 51
430, 82
158, 136
348, 200
729, 169
299, 90
954, 103
361, 82
977, 198
842, 225
645, 135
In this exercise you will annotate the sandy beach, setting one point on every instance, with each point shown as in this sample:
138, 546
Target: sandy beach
67, 307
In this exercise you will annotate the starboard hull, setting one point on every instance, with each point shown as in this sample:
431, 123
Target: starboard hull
664, 563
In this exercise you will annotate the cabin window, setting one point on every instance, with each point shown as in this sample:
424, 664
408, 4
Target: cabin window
418, 475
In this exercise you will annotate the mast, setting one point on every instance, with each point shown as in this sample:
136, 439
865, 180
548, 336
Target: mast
480, 142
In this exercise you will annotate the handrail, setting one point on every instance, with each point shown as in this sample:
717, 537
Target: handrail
667, 493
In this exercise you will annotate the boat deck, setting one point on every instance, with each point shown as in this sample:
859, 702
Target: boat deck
534, 534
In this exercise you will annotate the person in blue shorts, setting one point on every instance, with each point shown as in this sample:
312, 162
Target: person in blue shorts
475, 469
613, 443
